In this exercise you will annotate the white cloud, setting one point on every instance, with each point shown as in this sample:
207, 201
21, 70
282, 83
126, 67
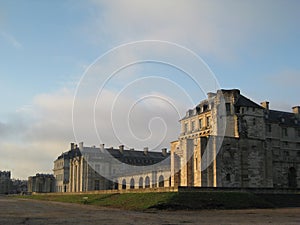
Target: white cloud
215, 28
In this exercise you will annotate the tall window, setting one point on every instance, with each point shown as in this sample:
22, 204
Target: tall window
208, 121
254, 121
193, 125
200, 123
185, 127
269, 128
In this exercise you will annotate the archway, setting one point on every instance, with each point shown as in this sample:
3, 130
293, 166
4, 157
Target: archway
141, 181
161, 182
132, 183
147, 182
124, 184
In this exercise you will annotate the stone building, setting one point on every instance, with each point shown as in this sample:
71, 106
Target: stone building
99, 168
61, 168
5, 182
41, 183
230, 141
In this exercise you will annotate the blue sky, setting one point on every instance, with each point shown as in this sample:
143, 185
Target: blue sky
46, 46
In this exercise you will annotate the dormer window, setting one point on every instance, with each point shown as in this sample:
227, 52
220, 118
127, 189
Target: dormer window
205, 107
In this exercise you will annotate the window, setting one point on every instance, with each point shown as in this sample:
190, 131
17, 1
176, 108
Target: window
185, 127
161, 182
193, 125
147, 182
269, 128
298, 132
208, 121
284, 132
132, 183
243, 110
97, 185
228, 178
200, 123
228, 108
124, 184
254, 122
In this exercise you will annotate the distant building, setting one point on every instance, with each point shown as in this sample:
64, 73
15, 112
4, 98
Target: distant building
61, 168
261, 147
99, 168
5, 182
41, 183
18, 186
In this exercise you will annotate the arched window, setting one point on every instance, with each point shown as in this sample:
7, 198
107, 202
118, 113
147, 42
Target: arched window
161, 182
124, 184
292, 177
147, 182
132, 183
141, 181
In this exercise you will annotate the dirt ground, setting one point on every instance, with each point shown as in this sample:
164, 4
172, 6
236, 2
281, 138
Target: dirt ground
19, 211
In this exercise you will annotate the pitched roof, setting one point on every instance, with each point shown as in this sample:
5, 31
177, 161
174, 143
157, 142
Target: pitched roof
131, 157
284, 118
243, 101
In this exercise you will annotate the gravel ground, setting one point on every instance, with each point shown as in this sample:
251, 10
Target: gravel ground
20, 211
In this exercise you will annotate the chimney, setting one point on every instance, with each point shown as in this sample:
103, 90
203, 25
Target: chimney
72, 146
164, 151
265, 104
101, 147
121, 148
81, 146
296, 109
146, 149
211, 95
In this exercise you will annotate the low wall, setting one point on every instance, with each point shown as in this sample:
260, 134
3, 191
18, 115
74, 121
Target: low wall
144, 190
183, 189
252, 190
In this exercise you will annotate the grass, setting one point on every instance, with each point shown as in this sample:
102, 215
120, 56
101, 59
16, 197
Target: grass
166, 200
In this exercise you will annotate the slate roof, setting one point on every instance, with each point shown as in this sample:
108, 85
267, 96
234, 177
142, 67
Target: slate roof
131, 157
243, 101
70, 154
284, 118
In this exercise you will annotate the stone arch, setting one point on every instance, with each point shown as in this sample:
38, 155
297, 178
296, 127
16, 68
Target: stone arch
141, 182
161, 181
147, 182
131, 183
123, 184
292, 177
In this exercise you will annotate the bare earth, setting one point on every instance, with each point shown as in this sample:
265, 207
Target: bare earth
19, 211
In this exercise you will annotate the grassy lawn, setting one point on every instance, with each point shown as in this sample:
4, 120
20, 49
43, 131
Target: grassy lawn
167, 200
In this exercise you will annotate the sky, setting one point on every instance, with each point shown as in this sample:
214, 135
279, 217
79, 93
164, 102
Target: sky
125, 72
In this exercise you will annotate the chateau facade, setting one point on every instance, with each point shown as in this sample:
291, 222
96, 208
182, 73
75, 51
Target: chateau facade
242, 144
92, 168
225, 141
